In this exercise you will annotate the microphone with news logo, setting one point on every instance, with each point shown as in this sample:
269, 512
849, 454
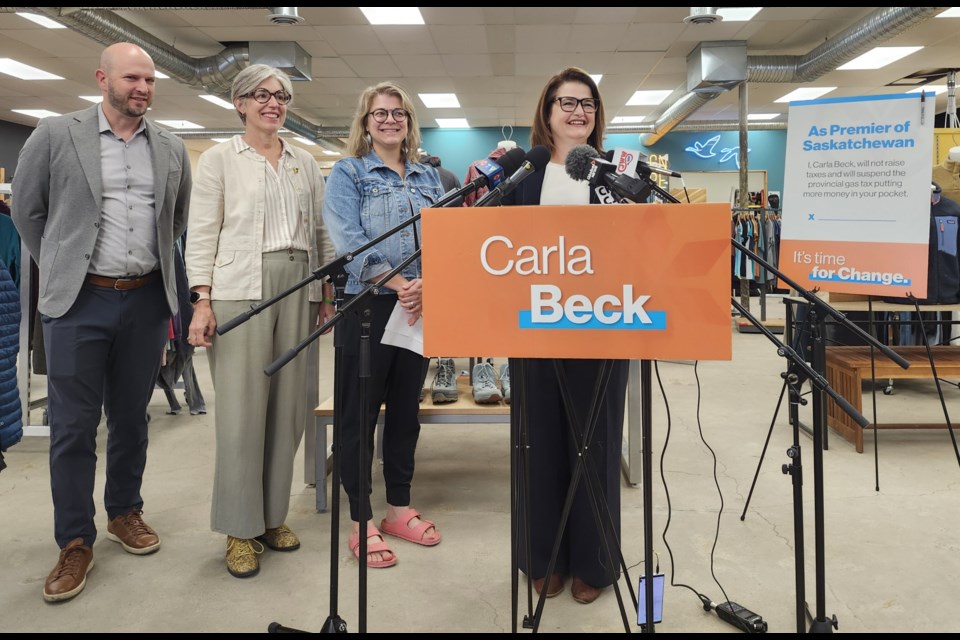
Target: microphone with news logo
585, 163
535, 160
492, 173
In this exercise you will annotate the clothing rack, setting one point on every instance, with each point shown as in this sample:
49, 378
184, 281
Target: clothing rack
765, 214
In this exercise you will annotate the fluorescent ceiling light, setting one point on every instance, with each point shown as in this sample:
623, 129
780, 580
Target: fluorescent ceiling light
762, 116
878, 57
648, 98
738, 14
16, 69
328, 152
440, 100
392, 15
597, 77
627, 119
179, 124
36, 113
93, 99
43, 21
309, 143
935, 89
805, 93
160, 75
220, 102
220, 139
452, 123
952, 12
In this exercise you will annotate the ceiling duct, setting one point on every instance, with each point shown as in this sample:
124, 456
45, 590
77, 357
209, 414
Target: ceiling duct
289, 57
284, 15
717, 66
703, 15
214, 74
879, 26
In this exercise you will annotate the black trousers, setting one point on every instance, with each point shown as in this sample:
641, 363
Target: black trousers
395, 379
104, 353
552, 459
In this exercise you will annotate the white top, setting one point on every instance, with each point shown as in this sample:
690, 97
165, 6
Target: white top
560, 188
954, 154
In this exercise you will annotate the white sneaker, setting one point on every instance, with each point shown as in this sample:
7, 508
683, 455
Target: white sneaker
505, 381
444, 387
485, 390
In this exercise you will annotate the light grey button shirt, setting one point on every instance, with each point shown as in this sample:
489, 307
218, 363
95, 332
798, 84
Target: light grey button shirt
127, 241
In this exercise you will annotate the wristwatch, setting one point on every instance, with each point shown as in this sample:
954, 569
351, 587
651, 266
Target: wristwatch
197, 296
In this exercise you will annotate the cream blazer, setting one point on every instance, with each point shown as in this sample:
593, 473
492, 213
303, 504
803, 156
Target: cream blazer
225, 230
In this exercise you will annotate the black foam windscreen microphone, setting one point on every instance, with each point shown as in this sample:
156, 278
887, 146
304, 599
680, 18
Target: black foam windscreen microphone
585, 163
536, 160
491, 172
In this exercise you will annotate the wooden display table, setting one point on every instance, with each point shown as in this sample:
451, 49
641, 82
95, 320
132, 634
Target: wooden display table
463, 411
848, 367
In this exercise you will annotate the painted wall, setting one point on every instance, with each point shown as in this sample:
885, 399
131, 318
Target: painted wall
688, 150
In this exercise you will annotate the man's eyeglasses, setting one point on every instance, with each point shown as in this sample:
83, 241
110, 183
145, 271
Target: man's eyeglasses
570, 104
380, 115
262, 96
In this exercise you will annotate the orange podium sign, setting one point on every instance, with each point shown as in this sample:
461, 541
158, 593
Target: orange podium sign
629, 281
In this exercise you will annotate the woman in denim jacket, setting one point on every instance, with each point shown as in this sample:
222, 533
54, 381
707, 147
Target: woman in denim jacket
379, 186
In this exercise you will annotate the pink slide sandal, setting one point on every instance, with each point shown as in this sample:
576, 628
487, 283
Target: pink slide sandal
412, 534
372, 547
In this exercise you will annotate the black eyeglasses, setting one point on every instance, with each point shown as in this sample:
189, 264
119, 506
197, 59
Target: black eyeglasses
262, 96
380, 115
570, 104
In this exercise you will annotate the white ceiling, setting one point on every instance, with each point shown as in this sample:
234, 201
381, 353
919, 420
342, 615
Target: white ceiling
496, 59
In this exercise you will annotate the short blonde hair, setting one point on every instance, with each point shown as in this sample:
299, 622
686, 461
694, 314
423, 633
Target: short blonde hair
251, 78
358, 144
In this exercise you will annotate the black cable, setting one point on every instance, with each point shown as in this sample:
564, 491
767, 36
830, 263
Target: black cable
716, 481
666, 490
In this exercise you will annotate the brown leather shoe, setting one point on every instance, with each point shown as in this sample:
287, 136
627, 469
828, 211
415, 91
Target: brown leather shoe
69, 577
555, 587
582, 592
133, 534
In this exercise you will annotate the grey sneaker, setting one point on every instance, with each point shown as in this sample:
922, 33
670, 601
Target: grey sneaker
505, 381
485, 390
444, 387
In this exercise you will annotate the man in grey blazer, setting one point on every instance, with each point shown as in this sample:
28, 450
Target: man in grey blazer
100, 196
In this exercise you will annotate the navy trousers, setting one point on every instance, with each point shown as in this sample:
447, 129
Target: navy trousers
104, 353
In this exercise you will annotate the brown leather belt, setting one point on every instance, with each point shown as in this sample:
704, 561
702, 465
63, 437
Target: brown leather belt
122, 284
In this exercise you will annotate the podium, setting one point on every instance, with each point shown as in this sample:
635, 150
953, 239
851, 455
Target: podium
617, 282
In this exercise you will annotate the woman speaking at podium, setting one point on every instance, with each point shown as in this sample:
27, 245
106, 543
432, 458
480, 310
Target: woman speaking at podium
569, 113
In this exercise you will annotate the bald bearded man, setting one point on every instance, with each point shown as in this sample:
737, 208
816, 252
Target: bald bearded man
100, 196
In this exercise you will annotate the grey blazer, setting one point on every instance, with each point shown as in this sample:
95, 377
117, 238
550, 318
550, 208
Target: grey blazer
57, 200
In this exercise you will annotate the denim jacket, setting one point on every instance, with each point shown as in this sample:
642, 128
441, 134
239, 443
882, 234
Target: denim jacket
363, 199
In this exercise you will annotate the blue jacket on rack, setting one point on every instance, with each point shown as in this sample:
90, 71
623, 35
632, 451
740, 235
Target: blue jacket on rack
11, 424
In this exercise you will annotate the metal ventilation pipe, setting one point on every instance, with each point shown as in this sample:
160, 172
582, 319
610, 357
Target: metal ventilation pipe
214, 74
881, 25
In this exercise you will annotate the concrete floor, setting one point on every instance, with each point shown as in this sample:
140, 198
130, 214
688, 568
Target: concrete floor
890, 560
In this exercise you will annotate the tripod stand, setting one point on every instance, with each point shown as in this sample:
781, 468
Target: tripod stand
543, 447
792, 380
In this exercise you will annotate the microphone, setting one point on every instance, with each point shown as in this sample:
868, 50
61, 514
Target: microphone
628, 161
584, 163
535, 160
491, 175
647, 169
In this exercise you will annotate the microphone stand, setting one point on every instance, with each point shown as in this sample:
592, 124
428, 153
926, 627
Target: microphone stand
818, 310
